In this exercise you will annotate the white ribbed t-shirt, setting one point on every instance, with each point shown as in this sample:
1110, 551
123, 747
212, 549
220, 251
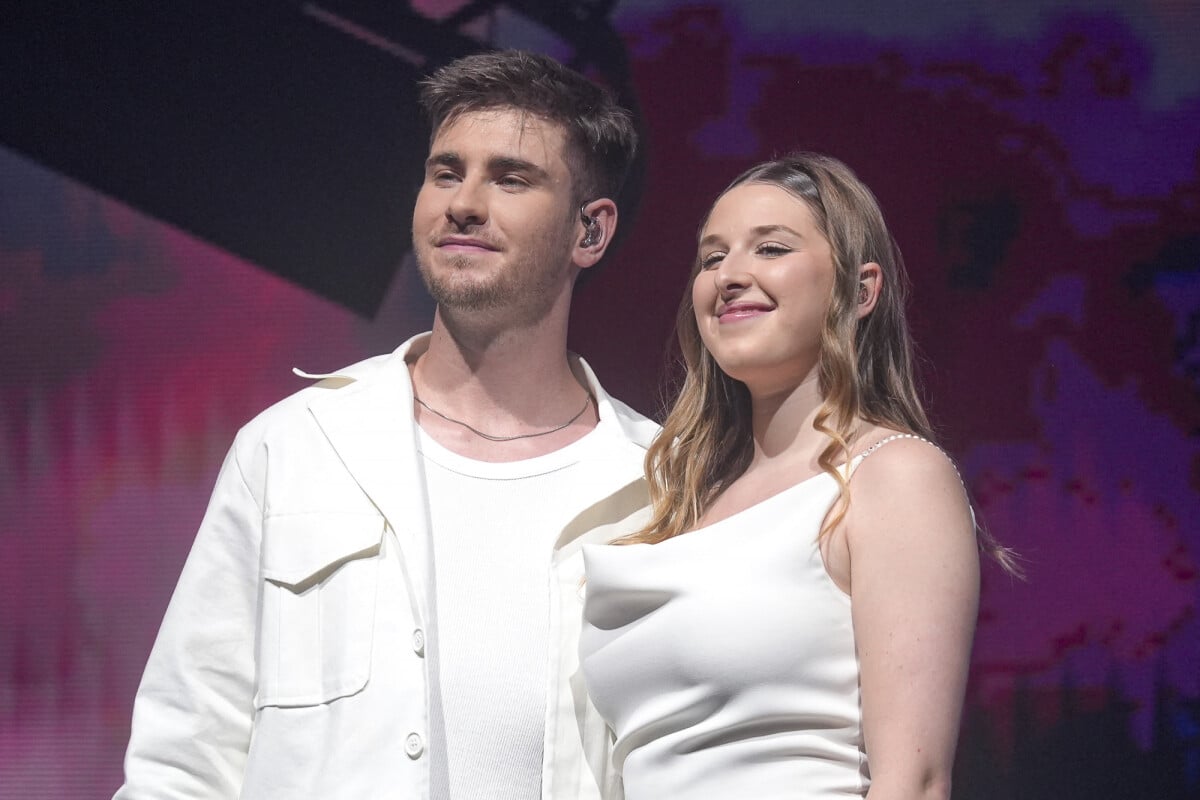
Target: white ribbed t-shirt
493, 527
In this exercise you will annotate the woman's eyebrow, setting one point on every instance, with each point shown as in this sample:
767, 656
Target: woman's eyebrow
758, 230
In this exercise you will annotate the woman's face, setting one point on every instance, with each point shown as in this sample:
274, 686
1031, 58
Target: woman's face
764, 286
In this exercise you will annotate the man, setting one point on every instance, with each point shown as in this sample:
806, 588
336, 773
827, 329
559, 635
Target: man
383, 599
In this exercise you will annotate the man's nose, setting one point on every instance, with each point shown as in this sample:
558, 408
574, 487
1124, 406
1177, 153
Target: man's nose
467, 205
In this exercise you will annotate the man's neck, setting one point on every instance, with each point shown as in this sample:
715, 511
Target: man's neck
515, 382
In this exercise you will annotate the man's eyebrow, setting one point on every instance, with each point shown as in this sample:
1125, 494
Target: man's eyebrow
497, 165
446, 158
502, 164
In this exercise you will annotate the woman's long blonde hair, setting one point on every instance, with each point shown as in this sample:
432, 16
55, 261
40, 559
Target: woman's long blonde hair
866, 367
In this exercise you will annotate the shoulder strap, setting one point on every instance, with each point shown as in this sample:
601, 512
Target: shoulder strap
859, 458
893, 438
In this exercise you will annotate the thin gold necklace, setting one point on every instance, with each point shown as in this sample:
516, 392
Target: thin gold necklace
587, 400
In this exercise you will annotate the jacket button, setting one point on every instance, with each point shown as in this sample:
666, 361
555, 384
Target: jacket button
413, 746
418, 642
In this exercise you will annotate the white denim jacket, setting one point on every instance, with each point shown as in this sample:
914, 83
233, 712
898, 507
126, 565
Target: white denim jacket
290, 663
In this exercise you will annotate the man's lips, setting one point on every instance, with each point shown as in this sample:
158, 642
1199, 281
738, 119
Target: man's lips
732, 312
466, 244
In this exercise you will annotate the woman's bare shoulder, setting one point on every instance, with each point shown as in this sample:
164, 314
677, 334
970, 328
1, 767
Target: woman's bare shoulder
905, 480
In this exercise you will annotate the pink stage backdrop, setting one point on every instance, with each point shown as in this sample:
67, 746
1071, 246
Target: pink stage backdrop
1040, 170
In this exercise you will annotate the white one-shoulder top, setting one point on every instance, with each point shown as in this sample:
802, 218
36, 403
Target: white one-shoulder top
724, 659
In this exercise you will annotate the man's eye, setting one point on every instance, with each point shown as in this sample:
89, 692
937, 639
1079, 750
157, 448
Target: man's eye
443, 176
512, 182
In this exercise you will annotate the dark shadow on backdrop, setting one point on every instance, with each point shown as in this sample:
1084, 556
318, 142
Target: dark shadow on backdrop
285, 132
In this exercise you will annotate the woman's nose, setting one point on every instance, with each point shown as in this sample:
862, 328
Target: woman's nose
731, 275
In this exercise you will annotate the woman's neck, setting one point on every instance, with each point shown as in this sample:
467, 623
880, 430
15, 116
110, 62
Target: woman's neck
782, 424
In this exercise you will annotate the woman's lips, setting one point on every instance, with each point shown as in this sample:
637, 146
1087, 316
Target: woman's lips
742, 311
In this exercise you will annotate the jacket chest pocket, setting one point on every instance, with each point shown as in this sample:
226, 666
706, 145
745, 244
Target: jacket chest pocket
320, 578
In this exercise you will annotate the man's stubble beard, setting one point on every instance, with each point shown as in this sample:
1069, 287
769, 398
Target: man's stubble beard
532, 290
456, 290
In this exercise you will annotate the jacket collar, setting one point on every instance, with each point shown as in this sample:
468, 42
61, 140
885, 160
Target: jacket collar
369, 423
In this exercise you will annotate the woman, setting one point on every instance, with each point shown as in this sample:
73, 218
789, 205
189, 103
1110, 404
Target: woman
796, 619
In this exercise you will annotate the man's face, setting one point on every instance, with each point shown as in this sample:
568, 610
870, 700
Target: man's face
494, 226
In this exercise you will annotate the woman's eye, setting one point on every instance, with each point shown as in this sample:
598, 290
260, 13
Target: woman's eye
711, 260
773, 250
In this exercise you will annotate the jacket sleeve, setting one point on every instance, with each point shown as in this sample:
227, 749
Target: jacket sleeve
194, 708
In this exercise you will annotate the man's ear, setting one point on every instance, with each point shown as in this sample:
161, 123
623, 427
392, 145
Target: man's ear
595, 228
870, 285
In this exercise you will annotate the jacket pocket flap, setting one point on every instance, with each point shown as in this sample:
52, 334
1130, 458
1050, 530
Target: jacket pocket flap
302, 549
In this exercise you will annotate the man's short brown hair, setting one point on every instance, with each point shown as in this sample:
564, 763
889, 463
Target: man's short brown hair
601, 140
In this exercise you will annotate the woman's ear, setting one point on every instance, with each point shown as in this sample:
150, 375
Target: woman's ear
870, 284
